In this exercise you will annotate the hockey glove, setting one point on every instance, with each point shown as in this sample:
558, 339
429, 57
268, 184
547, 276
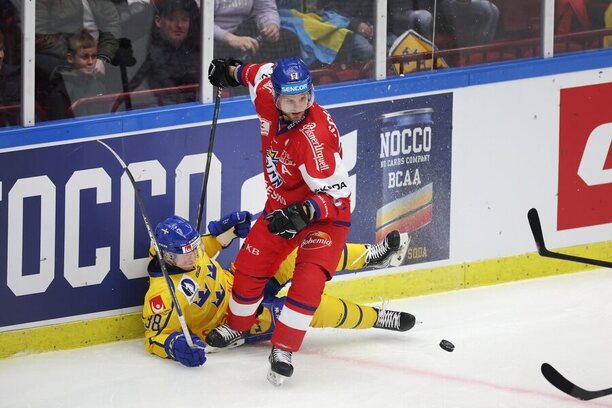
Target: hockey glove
237, 224
240, 221
218, 72
288, 221
177, 349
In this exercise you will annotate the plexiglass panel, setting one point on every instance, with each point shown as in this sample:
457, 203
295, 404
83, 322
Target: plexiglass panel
334, 38
462, 32
582, 25
102, 56
10, 64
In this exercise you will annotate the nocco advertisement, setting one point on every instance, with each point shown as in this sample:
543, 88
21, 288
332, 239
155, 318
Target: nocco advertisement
72, 238
403, 172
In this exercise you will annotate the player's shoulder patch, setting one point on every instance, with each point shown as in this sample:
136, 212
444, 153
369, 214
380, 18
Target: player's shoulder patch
188, 287
156, 303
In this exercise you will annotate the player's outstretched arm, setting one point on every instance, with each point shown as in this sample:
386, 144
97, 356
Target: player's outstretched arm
234, 225
221, 72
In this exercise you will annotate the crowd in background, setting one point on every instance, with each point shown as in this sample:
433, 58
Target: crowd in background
86, 49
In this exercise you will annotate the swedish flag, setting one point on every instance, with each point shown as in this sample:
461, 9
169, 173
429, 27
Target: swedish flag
321, 34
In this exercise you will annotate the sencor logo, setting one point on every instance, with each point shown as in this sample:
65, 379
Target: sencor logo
585, 157
295, 88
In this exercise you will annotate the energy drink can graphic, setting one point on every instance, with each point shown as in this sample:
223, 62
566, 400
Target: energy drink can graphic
405, 160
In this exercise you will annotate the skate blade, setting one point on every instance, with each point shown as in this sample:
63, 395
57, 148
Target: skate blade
276, 379
398, 258
211, 349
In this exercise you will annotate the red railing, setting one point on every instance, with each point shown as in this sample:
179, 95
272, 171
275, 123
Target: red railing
117, 99
10, 108
16, 108
504, 50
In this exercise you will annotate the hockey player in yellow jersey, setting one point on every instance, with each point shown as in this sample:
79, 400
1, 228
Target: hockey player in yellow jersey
203, 290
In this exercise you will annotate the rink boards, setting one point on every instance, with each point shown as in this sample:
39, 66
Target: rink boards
457, 167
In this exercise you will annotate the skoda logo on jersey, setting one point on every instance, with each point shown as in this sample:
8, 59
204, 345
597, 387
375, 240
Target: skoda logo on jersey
188, 287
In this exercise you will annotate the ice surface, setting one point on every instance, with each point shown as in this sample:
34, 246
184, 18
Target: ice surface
502, 334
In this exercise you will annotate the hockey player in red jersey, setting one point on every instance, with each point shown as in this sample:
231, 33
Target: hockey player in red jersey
307, 207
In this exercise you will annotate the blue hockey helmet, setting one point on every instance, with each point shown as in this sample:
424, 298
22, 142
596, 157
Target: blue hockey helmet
290, 76
176, 235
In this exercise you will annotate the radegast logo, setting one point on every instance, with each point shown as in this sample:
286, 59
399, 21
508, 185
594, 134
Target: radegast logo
316, 240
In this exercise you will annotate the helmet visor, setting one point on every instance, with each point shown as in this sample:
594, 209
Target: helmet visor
294, 103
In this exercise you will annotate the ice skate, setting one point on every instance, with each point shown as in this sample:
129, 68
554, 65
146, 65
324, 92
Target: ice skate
224, 337
280, 366
392, 320
391, 251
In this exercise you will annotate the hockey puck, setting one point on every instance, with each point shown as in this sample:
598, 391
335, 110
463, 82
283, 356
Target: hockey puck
447, 345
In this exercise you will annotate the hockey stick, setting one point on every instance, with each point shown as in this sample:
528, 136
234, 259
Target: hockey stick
558, 380
211, 141
536, 230
162, 264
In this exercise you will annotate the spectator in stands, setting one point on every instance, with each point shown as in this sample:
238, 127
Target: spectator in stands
360, 14
321, 34
56, 20
135, 17
10, 89
571, 16
251, 29
359, 18
173, 58
404, 15
470, 22
78, 79
10, 25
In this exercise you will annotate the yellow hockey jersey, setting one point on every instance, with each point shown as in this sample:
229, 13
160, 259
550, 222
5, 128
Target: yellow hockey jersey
204, 293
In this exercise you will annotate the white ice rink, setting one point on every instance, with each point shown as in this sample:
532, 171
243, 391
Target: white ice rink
502, 335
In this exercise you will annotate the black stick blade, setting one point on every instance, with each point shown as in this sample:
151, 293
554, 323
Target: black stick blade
538, 236
557, 379
536, 230
563, 384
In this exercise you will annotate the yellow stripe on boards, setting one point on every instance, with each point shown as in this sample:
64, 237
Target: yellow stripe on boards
465, 275
71, 335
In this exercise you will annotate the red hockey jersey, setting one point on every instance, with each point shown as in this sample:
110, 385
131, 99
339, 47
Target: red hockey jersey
301, 161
